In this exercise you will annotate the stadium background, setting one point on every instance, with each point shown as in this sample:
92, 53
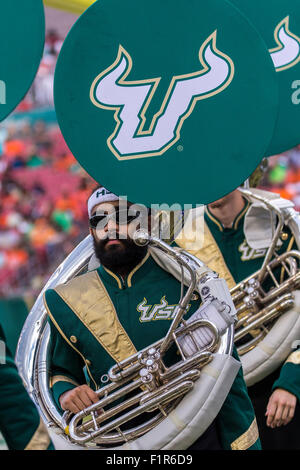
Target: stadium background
43, 190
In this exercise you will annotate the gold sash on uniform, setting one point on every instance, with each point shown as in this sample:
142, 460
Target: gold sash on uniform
88, 298
207, 251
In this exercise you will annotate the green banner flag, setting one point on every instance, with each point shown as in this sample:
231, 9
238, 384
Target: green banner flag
166, 102
278, 22
22, 36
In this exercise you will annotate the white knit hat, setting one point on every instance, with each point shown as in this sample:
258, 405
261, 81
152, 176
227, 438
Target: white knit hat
100, 195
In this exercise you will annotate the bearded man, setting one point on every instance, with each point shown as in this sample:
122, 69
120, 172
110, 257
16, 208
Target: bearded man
107, 314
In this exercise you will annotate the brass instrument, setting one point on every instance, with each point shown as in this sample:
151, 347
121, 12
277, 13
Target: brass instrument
269, 293
142, 387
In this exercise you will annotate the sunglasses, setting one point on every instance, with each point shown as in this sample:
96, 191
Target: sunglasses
120, 217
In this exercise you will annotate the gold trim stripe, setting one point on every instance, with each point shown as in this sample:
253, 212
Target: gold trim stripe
66, 339
114, 276
241, 215
40, 440
129, 283
247, 439
294, 358
235, 222
214, 219
88, 298
209, 253
73, 6
62, 378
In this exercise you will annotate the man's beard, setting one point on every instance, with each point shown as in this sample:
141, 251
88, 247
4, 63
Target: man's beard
119, 259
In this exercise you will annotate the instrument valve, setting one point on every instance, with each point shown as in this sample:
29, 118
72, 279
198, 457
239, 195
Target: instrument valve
154, 355
147, 379
253, 283
251, 288
151, 357
252, 292
145, 375
248, 301
152, 366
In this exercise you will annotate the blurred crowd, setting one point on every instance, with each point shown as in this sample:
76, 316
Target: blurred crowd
283, 175
43, 193
43, 190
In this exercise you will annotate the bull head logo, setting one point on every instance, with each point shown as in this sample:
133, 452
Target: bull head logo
287, 54
130, 100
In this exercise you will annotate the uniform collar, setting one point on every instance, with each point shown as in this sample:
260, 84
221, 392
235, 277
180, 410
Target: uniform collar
213, 220
127, 281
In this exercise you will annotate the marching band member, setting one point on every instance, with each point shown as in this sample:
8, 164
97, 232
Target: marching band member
20, 422
103, 316
226, 251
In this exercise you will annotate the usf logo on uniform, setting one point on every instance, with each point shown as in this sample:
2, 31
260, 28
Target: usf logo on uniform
248, 253
130, 99
161, 311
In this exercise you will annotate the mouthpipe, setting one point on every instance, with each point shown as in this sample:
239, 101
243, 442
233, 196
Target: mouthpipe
141, 237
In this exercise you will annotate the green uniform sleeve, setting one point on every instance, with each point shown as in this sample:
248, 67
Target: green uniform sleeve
65, 364
20, 422
289, 378
236, 420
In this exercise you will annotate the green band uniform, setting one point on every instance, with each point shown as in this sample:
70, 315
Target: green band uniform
226, 251
20, 423
99, 318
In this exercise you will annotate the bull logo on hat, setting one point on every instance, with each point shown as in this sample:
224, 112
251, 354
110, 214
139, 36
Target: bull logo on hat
287, 54
130, 99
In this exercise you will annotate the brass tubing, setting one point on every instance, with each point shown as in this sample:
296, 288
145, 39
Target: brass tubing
275, 304
169, 395
111, 412
109, 399
126, 417
195, 361
190, 375
272, 207
241, 321
289, 284
243, 349
263, 318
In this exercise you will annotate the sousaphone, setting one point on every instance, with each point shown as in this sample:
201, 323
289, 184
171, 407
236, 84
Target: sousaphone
268, 301
176, 403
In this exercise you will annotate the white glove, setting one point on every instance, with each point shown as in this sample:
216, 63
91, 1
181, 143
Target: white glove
213, 311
